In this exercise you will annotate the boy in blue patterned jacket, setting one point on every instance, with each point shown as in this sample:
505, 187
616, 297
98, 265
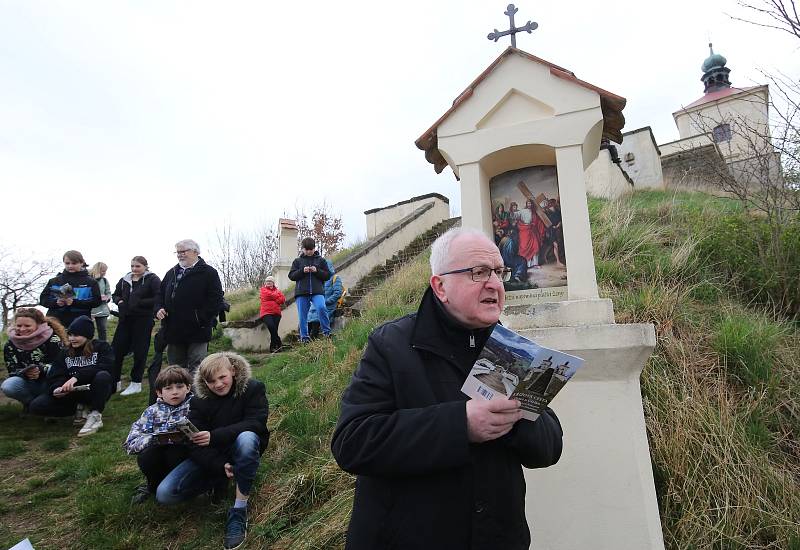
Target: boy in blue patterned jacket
157, 458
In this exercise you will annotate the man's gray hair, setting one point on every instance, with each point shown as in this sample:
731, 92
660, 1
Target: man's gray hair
440, 249
187, 244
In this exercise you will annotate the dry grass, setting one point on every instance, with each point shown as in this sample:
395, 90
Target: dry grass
717, 489
724, 447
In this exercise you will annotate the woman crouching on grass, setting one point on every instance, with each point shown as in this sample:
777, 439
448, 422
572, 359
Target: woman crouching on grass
230, 411
85, 362
34, 343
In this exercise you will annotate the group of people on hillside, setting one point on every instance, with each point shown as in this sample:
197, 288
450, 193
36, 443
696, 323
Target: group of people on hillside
58, 368
318, 291
187, 303
434, 469
56, 365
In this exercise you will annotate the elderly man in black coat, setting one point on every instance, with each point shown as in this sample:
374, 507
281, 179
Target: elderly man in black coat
435, 470
187, 305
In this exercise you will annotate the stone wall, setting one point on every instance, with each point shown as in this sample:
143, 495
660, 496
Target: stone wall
380, 219
697, 168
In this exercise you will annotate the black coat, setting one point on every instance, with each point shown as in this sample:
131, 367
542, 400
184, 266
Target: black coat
244, 409
308, 284
403, 430
192, 304
136, 300
86, 296
82, 368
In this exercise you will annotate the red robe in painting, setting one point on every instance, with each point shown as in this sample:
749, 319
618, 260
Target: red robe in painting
531, 232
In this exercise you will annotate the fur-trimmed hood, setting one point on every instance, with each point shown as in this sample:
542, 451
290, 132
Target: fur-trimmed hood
242, 373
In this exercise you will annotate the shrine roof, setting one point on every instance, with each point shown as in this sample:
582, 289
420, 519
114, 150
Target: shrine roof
610, 104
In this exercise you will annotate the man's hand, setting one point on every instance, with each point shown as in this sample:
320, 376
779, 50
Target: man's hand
202, 439
68, 301
306, 269
161, 313
487, 420
313, 269
229, 470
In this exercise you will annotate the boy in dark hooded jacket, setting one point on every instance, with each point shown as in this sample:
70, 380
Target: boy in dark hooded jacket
309, 271
230, 411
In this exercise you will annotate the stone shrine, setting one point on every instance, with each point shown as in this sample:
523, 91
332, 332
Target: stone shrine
524, 133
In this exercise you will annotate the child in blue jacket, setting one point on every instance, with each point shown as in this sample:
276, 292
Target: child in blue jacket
156, 458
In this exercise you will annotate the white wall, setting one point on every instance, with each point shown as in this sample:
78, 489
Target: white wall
604, 179
743, 111
645, 167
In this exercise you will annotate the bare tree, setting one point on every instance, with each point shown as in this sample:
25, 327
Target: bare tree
223, 255
323, 226
21, 281
773, 14
255, 254
245, 258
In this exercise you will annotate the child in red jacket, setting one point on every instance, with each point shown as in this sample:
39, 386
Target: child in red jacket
271, 301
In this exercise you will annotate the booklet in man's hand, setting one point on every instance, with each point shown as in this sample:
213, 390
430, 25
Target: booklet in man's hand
513, 367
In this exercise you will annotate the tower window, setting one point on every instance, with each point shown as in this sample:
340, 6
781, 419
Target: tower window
722, 133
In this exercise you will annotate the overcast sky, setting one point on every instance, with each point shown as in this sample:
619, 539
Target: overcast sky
126, 126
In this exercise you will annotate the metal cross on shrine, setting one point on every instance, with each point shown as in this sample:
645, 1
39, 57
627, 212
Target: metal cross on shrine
528, 27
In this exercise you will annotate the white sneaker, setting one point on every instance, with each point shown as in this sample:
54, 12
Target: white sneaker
93, 423
80, 415
134, 387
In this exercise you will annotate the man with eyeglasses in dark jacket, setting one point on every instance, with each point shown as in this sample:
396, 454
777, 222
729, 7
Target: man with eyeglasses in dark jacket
436, 470
187, 306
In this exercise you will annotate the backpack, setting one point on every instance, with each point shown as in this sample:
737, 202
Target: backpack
340, 301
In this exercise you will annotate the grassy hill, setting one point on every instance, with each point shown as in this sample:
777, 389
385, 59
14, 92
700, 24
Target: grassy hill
720, 399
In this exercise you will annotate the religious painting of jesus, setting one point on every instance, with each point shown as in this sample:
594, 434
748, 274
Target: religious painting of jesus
526, 219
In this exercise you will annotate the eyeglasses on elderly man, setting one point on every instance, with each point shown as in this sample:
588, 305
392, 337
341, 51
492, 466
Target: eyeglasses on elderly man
482, 273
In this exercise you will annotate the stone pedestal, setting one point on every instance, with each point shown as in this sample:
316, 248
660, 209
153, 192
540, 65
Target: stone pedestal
601, 494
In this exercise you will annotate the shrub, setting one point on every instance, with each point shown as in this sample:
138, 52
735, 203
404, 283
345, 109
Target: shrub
748, 345
763, 267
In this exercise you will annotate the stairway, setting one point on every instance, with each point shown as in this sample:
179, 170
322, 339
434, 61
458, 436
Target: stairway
374, 278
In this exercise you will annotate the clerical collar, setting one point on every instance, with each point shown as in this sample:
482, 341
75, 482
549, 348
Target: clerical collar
437, 331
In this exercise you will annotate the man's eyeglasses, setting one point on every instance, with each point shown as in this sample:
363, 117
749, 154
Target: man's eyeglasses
482, 273
183, 251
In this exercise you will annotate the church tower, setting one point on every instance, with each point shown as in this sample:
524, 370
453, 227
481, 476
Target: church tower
725, 123
715, 73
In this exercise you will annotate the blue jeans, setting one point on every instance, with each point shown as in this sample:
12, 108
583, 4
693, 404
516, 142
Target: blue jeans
22, 389
303, 304
189, 479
